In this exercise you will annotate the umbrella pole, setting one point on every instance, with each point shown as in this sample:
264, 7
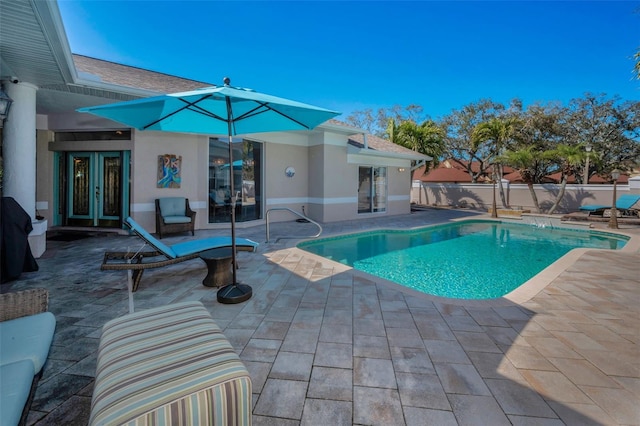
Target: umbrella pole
234, 292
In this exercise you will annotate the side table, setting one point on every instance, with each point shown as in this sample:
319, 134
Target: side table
218, 262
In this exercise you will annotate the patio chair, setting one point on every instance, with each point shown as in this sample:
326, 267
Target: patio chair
219, 200
162, 254
174, 215
627, 205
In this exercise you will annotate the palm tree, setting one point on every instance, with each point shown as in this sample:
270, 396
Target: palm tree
499, 132
525, 161
426, 138
570, 159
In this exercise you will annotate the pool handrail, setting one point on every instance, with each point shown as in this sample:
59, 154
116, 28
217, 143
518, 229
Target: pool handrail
301, 215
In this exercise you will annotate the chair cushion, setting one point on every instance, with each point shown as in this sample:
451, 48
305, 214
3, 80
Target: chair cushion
176, 219
196, 246
593, 207
172, 206
155, 243
15, 385
169, 365
627, 201
28, 338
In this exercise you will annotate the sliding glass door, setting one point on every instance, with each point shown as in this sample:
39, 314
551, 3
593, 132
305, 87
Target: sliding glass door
372, 189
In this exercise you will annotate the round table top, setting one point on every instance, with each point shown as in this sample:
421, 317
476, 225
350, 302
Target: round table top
216, 254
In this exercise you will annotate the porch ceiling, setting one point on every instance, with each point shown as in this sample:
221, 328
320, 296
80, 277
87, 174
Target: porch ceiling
33, 46
34, 49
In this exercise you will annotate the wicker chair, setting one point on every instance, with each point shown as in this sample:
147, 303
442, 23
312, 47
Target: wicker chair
174, 215
23, 304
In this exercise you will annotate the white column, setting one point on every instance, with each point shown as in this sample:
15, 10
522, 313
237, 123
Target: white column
19, 147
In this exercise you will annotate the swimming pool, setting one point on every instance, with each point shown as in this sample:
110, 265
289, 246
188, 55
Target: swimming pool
468, 260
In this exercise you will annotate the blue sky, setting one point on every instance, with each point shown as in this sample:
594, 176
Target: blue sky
355, 55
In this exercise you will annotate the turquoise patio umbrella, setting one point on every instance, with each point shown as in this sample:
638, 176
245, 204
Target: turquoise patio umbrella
217, 110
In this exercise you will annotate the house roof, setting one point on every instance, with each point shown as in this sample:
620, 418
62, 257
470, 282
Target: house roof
128, 76
442, 175
593, 179
452, 172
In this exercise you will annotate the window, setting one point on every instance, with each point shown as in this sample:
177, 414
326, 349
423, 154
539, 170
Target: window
246, 171
372, 189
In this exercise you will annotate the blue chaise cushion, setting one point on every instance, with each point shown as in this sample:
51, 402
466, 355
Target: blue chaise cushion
27, 338
157, 244
197, 246
188, 247
15, 385
625, 202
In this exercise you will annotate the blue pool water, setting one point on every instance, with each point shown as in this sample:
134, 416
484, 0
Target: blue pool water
466, 260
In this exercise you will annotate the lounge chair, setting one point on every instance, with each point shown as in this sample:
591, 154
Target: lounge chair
627, 205
164, 255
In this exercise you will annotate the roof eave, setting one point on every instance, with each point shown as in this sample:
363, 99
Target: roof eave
116, 88
341, 129
416, 156
48, 14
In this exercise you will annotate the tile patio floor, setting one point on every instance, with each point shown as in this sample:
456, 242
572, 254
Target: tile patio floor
329, 346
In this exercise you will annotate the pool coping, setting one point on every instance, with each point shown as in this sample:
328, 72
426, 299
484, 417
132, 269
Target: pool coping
522, 294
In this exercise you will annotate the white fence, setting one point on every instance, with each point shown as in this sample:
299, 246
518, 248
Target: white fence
518, 196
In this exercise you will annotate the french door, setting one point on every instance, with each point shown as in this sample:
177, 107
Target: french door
94, 189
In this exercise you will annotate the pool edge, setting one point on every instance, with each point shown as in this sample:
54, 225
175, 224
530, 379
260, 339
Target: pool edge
524, 293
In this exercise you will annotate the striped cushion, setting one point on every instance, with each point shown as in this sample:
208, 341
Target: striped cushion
170, 365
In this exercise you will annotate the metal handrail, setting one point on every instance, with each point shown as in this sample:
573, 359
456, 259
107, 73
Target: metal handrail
297, 214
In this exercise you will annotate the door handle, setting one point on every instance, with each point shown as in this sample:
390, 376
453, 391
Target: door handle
97, 192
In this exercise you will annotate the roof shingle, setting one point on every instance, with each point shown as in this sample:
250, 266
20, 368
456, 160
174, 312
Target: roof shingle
124, 75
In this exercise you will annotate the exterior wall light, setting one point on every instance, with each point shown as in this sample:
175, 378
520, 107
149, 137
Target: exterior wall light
5, 105
289, 171
401, 169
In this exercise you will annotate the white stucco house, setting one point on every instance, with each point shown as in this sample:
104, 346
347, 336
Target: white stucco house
71, 169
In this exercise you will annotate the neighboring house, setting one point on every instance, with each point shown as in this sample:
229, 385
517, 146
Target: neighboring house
593, 179
79, 170
450, 171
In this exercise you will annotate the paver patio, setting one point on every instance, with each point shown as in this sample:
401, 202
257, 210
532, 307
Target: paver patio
328, 345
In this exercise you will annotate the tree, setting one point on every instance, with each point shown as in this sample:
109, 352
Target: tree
610, 126
540, 130
527, 161
426, 138
362, 119
569, 160
460, 146
377, 123
498, 132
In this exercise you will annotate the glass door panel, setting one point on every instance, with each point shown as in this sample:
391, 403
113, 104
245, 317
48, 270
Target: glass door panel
372, 189
109, 199
81, 201
379, 189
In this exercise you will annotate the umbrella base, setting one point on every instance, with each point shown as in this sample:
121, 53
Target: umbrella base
234, 293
